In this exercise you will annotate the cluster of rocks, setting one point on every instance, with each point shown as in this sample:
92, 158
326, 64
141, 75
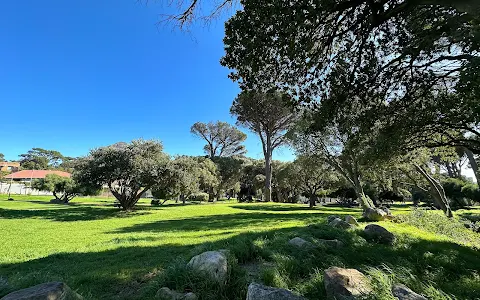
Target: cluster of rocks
372, 232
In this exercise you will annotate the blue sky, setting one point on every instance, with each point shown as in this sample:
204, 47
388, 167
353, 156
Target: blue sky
75, 75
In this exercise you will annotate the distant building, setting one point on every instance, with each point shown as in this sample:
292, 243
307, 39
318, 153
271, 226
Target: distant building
9, 166
27, 175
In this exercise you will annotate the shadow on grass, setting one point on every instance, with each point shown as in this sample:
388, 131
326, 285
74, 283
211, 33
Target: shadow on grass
129, 272
70, 213
214, 222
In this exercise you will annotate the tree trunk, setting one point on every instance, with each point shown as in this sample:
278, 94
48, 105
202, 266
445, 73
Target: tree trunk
268, 170
473, 164
268, 178
436, 190
312, 200
364, 200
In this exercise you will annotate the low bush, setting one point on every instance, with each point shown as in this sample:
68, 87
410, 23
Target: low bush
198, 197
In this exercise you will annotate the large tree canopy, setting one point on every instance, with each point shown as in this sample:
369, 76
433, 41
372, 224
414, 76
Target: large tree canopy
417, 62
41, 159
127, 169
222, 139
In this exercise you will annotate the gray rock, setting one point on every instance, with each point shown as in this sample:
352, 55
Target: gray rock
331, 243
341, 283
402, 292
351, 220
299, 242
3, 282
374, 214
261, 292
212, 263
45, 291
331, 218
378, 234
339, 223
167, 294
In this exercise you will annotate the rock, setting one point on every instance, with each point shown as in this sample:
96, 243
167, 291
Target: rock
3, 282
341, 283
386, 210
339, 223
212, 263
299, 242
261, 292
379, 234
167, 294
45, 291
351, 220
331, 218
331, 243
402, 292
190, 296
374, 214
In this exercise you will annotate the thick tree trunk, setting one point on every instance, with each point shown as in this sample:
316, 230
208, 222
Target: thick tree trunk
437, 191
473, 164
312, 200
268, 171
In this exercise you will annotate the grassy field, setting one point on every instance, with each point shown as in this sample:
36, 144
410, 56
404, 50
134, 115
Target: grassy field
104, 253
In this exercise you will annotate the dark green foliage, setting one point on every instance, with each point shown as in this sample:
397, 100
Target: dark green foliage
41, 159
127, 169
471, 191
64, 189
453, 190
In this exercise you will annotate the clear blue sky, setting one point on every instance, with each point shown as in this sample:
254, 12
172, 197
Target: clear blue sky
79, 74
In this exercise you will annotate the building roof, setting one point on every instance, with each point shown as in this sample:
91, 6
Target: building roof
35, 174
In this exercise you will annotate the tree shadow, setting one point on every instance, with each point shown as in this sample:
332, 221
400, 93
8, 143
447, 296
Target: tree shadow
70, 214
213, 222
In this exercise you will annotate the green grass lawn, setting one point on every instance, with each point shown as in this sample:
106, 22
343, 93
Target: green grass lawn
105, 253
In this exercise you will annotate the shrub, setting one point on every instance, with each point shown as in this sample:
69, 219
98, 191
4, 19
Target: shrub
453, 191
472, 192
198, 197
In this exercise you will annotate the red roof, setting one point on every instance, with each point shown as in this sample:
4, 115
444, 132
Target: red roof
34, 174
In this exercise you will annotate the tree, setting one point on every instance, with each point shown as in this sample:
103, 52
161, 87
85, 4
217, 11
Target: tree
222, 139
229, 174
269, 116
189, 11
2, 157
41, 159
64, 189
129, 170
312, 175
186, 175
426, 60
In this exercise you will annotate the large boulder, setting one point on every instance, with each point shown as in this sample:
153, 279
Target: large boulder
402, 292
299, 242
378, 234
342, 283
339, 223
211, 263
351, 220
374, 214
261, 292
167, 294
45, 291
